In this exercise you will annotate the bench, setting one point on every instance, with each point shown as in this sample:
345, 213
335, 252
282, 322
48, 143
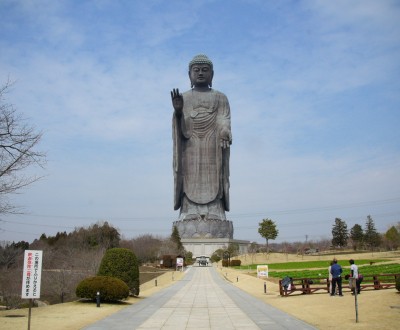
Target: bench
381, 281
312, 284
304, 285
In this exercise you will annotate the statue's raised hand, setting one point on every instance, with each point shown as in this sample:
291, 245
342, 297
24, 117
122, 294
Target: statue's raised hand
177, 101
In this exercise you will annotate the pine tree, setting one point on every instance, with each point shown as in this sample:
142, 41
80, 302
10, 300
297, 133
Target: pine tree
339, 233
176, 238
371, 236
357, 236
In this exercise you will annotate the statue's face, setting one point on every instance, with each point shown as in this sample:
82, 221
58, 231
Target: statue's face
201, 75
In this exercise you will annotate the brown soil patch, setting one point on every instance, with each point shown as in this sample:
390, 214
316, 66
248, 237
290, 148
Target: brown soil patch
148, 273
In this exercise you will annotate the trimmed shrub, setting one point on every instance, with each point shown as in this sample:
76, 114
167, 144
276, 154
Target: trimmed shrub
235, 263
232, 263
121, 263
110, 288
398, 283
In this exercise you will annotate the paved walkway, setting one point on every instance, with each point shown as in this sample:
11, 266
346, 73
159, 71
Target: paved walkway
202, 300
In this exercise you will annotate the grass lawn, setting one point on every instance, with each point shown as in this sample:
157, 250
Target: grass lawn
320, 268
310, 264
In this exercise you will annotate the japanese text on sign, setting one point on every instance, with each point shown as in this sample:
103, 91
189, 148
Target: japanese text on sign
32, 274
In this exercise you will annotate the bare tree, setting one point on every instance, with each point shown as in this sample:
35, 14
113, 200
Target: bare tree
11, 262
146, 247
9, 253
253, 249
18, 142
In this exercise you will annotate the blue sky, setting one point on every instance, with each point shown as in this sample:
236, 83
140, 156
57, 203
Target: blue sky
314, 90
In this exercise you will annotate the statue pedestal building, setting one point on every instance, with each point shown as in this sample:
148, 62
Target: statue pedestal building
207, 246
203, 237
204, 228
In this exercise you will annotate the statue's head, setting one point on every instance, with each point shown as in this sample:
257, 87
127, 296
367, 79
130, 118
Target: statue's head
201, 71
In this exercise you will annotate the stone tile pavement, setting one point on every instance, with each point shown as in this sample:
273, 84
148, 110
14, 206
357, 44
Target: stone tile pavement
201, 300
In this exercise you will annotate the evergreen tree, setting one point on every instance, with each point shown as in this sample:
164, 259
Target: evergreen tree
371, 236
357, 236
176, 238
267, 229
189, 258
121, 263
339, 233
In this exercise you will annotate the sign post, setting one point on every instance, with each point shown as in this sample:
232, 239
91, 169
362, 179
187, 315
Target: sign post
31, 278
353, 286
179, 263
262, 271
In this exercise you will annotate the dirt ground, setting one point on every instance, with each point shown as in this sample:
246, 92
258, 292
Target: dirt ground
376, 308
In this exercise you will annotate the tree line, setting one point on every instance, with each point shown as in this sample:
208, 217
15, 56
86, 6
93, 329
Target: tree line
366, 237
357, 238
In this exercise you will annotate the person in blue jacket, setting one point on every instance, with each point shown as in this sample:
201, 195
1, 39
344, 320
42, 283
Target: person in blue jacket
336, 271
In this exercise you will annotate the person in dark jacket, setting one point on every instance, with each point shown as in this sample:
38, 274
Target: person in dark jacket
336, 271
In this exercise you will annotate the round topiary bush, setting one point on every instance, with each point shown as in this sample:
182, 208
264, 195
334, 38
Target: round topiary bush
398, 283
110, 288
121, 263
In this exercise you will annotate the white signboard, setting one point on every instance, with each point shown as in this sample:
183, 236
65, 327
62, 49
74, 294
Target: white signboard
262, 270
32, 274
179, 262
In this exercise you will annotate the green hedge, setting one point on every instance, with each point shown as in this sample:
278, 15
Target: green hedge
110, 288
123, 264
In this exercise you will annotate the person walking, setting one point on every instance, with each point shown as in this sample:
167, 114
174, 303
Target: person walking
336, 271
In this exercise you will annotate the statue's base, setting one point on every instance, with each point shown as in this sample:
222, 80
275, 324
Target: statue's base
207, 246
204, 228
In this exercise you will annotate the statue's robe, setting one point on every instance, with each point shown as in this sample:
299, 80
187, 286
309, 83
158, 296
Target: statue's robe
200, 164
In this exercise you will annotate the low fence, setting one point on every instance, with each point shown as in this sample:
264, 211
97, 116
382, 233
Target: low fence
312, 284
